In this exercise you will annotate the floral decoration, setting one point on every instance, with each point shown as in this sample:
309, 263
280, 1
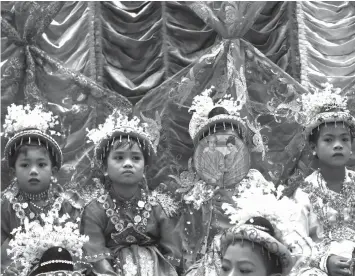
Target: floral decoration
32, 239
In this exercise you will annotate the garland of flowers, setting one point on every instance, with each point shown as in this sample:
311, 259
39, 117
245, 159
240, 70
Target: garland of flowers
116, 213
22, 207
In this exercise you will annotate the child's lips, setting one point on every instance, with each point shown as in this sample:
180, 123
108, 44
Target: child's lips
127, 172
338, 155
34, 181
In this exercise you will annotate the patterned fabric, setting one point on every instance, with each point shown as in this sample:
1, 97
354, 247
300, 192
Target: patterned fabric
158, 253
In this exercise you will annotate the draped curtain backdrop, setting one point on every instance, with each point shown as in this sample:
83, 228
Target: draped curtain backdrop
83, 59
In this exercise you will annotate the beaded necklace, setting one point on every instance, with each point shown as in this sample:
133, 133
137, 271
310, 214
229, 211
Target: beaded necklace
332, 208
21, 206
117, 212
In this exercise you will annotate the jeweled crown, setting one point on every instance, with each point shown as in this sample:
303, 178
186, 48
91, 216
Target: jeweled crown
21, 118
203, 104
323, 106
146, 131
26, 124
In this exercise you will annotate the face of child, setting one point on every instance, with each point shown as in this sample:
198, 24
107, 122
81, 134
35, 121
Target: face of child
125, 165
231, 147
242, 260
334, 145
33, 169
212, 143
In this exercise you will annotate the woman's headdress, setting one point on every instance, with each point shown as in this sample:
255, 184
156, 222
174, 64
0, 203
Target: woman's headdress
325, 106
35, 241
117, 125
26, 124
204, 122
249, 217
201, 107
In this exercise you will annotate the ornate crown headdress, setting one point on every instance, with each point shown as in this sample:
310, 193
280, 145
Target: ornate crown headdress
203, 104
325, 106
279, 213
33, 239
118, 125
24, 124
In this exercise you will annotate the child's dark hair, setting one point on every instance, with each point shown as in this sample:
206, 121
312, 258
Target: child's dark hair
314, 136
23, 149
118, 143
217, 111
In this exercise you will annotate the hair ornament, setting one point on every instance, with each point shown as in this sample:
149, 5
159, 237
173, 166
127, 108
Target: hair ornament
26, 124
145, 130
325, 106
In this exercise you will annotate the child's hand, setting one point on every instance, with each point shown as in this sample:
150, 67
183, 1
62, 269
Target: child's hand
338, 266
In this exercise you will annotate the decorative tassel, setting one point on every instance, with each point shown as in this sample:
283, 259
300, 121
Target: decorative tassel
39, 142
120, 138
47, 145
224, 126
29, 140
232, 126
113, 141
21, 141
214, 129
128, 138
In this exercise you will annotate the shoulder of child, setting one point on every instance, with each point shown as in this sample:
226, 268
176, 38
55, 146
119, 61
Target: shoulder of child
73, 198
167, 203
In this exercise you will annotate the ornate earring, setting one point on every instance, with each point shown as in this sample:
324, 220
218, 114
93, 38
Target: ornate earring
54, 179
314, 153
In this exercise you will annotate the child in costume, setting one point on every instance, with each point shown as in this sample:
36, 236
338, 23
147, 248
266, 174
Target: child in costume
132, 230
259, 242
328, 194
34, 158
205, 218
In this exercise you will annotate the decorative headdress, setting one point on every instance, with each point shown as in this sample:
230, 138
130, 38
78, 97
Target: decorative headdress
24, 125
201, 107
55, 259
325, 106
118, 125
279, 213
31, 241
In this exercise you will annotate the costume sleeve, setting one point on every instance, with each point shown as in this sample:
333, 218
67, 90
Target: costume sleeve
93, 224
6, 228
308, 219
170, 242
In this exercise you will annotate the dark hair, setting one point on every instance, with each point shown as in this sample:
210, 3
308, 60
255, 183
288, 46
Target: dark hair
314, 136
23, 149
217, 111
231, 140
271, 260
118, 143
54, 253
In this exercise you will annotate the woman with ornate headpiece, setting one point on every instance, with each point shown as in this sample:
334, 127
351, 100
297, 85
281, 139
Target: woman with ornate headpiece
34, 158
203, 187
132, 230
328, 194
260, 240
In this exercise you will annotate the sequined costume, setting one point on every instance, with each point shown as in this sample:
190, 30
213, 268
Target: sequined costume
137, 237
328, 221
14, 209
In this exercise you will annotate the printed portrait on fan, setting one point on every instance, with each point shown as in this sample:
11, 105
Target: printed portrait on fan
222, 158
